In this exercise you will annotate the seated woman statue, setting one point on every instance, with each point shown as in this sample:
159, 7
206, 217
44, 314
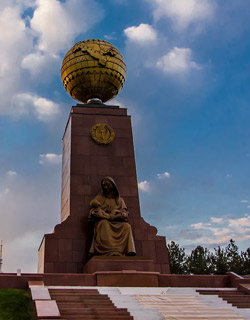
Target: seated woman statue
112, 233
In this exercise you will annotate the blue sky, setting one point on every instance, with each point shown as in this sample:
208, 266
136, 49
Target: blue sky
187, 89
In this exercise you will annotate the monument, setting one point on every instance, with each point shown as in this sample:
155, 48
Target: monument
101, 227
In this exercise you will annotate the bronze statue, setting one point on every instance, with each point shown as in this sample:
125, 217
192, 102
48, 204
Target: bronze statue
112, 232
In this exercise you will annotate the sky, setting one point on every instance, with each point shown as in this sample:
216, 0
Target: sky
187, 90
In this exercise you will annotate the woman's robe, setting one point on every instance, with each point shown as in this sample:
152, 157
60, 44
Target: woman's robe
112, 236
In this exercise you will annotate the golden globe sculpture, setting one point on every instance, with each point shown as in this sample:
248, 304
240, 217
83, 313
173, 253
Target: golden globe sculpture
93, 69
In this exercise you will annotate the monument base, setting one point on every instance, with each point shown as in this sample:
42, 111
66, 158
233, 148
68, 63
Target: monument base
114, 263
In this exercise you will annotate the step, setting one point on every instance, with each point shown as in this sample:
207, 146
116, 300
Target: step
97, 317
93, 310
74, 290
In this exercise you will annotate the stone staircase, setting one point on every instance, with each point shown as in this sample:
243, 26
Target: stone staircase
87, 304
235, 297
186, 306
137, 303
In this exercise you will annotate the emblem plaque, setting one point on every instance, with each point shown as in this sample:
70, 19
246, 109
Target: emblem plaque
102, 133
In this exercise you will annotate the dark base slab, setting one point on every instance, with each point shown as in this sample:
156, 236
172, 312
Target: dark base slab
109, 263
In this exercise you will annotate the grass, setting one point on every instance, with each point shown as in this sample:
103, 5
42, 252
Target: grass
16, 305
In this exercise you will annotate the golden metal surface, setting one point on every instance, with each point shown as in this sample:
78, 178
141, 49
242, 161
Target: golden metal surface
93, 69
102, 133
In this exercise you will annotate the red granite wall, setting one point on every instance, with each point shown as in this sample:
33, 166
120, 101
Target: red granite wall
85, 163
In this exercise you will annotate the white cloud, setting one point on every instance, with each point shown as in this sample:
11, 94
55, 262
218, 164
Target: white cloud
11, 173
20, 199
15, 42
39, 62
111, 36
214, 234
144, 186
57, 23
241, 222
200, 225
177, 61
153, 184
216, 220
244, 201
43, 108
143, 34
34, 44
183, 12
163, 175
50, 158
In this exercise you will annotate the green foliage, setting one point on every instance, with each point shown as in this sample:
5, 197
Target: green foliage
234, 259
219, 261
177, 258
246, 261
16, 305
201, 261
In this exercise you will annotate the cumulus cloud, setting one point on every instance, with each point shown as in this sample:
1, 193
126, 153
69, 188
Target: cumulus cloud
144, 186
39, 62
183, 12
142, 34
50, 158
43, 108
163, 175
34, 44
244, 201
177, 61
15, 42
56, 34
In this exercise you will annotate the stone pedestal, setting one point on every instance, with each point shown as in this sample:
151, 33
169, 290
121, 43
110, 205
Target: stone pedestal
103, 263
84, 164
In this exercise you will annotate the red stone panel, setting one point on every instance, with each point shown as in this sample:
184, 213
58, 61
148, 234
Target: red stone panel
65, 250
165, 269
148, 249
49, 267
51, 250
138, 247
161, 251
140, 234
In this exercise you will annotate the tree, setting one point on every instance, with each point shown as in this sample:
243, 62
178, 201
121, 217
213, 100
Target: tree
234, 259
219, 261
246, 261
199, 261
177, 258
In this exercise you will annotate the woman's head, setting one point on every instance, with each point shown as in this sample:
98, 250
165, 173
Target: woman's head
109, 187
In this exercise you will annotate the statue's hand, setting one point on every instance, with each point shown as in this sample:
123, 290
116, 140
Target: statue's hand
99, 213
